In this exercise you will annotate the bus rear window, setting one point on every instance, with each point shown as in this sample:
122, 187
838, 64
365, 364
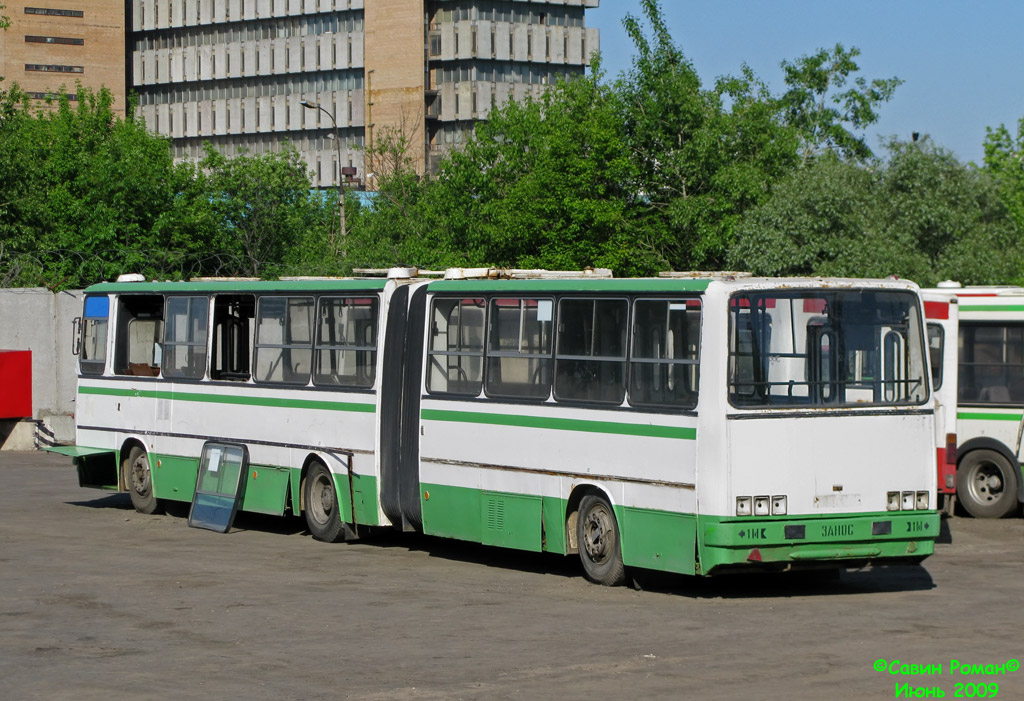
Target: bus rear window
826, 348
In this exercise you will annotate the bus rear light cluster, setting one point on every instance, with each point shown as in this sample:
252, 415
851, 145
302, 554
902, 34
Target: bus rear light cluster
761, 506
907, 501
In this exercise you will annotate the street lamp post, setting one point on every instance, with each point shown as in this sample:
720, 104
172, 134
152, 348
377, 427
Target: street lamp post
343, 232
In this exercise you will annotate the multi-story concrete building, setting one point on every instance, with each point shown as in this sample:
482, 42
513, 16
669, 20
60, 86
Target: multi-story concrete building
236, 73
54, 43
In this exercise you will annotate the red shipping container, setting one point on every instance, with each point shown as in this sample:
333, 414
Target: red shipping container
15, 384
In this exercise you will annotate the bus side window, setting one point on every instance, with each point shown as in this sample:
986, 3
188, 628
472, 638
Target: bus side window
936, 344
455, 359
991, 363
284, 339
137, 349
232, 336
519, 348
185, 337
666, 341
590, 360
345, 353
94, 335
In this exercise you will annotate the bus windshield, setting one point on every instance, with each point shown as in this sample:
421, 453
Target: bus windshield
826, 348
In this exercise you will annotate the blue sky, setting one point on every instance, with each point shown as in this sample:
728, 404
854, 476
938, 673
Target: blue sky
962, 62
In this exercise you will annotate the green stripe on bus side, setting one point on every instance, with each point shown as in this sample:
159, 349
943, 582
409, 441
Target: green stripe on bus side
624, 429
986, 416
991, 308
230, 399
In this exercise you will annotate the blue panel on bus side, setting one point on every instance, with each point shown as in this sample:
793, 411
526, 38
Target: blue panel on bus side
97, 307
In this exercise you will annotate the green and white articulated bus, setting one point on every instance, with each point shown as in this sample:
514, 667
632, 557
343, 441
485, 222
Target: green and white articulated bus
691, 424
977, 335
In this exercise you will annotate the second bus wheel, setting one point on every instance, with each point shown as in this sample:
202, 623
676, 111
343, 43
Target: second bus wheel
139, 479
323, 517
986, 484
597, 536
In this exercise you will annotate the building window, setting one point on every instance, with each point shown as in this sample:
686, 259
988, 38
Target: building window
54, 40
53, 68
50, 11
51, 96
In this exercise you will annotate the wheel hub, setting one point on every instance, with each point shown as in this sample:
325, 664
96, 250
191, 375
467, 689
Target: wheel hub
322, 500
595, 535
140, 476
989, 483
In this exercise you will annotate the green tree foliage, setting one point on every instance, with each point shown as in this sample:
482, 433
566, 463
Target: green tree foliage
81, 191
380, 232
1004, 159
262, 208
85, 196
540, 185
823, 113
920, 215
703, 156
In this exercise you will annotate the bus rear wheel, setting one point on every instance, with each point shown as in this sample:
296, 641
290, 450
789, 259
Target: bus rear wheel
986, 484
322, 513
597, 534
139, 479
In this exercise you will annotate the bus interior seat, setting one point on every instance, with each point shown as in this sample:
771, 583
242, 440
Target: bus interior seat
995, 394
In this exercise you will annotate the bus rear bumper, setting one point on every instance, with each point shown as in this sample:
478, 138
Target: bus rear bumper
796, 542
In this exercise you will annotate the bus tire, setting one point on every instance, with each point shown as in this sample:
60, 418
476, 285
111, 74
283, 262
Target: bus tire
986, 484
597, 534
138, 478
323, 517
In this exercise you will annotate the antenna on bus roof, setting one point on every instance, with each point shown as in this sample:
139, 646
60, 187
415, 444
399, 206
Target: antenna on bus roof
698, 274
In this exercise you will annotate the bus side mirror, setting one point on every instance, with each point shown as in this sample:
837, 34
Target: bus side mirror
76, 335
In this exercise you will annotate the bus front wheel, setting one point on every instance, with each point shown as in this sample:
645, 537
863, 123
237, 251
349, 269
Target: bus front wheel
986, 484
322, 514
139, 479
597, 534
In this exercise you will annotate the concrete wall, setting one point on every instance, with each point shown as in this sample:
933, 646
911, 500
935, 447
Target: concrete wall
38, 320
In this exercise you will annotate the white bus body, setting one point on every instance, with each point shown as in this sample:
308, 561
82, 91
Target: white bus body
985, 343
688, 425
